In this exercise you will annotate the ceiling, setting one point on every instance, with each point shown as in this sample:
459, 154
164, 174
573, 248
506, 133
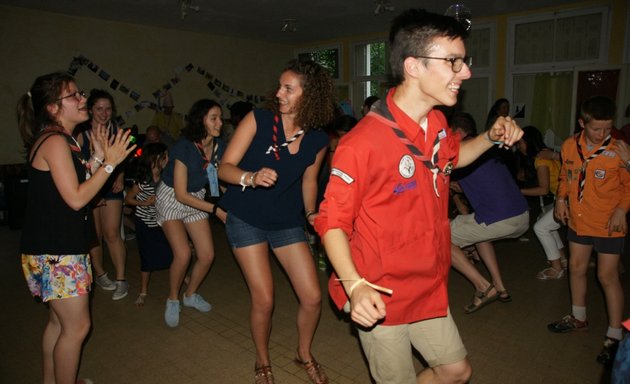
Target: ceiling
316, 20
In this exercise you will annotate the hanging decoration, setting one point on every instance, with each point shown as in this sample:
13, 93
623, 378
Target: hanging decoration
226, 95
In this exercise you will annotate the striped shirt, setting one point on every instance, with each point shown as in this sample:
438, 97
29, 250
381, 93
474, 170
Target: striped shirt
146, 213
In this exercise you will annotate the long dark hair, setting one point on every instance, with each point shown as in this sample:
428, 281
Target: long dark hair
32, 113
195, 130
152, 153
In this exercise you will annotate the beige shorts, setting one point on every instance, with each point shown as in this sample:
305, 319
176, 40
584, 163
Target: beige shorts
466, 231
387, 347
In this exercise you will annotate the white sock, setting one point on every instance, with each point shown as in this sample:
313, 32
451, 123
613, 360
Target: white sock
614, 333
579, 312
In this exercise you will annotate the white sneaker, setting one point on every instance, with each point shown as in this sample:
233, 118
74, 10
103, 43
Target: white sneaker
196, 301
171, 313
122, 289
104, 282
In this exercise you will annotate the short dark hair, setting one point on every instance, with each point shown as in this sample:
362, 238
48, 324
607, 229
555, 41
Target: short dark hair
598, 108
195, 130
463, 121
412, 33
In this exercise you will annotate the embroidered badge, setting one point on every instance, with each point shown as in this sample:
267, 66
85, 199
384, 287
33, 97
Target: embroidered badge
442, 134
600, 174
341, 174
406, 167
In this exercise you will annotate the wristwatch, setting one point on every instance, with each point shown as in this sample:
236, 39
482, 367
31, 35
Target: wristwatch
109, 168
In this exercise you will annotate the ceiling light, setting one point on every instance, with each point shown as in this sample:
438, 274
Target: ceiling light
383, 6
185, 6
288, 25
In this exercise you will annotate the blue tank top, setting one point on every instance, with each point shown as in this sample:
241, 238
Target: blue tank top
281, 206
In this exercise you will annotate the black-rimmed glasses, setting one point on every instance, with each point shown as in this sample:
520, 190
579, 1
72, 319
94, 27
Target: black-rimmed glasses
457, 63
77, 94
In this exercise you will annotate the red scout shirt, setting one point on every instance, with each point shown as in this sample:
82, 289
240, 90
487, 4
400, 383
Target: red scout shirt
383, 199
607, 187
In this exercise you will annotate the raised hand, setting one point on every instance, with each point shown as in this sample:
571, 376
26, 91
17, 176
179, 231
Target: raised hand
118, 147
506, 131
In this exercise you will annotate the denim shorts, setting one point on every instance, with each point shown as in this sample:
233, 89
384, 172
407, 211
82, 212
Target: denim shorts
240, 234
613, 245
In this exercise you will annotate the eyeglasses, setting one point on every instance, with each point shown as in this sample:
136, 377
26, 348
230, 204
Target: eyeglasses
77, 94
457, 63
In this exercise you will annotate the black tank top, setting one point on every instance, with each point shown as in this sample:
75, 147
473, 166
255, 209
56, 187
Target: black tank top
50, 225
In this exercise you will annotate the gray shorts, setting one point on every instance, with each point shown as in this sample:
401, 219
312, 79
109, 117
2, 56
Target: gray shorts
466, 231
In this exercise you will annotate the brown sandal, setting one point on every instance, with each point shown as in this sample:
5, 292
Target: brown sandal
313, 369
263, 375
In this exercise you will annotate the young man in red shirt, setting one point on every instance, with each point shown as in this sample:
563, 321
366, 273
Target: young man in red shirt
384, 218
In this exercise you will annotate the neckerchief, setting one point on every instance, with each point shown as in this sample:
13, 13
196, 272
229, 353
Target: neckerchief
582, 174
381, 112
275, 148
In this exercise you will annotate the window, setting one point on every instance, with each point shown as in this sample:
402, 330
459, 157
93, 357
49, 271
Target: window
327, 57
369, 73
560, 40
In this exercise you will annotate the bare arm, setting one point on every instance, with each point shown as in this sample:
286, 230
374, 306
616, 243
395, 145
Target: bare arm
542, 173
367, 305
180, 185
309, 185
55, 155
504, 130
130, 198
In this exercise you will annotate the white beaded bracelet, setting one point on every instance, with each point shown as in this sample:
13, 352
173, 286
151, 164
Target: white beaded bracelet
242, 182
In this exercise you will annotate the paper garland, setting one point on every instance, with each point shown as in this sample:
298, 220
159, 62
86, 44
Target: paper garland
226, 95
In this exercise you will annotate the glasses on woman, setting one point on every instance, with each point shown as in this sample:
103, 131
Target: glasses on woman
76, 94
457, 63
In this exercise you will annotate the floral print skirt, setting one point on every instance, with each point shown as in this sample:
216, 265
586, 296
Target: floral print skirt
51, 277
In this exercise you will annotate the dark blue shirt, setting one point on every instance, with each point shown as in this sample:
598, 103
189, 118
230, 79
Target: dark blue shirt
187, 152
281, 206
491, 190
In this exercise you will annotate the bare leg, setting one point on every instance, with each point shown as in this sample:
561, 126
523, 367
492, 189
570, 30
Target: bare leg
51, 335
111, 221
578, 265
254, 262
96, 253
608, 275
74, 322
144, 277
461, 264
455, 373
297, 261
201, 236
178, 239
489, 257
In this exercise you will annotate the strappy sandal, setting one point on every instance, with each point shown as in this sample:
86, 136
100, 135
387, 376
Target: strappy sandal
263, 375
484, 299
313, 369
504, 296
140, 299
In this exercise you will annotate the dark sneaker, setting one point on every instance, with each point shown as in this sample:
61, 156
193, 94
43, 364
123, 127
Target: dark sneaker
568, 324
607, 355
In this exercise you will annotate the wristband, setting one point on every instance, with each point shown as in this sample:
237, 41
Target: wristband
251, 180
214, 210
242, 182
99, 161
492, 141
309, 213
363, 281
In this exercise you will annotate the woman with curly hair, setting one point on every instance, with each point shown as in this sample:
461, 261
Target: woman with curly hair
271, 167
181, 209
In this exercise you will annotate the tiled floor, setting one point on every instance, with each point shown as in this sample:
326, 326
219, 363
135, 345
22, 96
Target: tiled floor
507, 343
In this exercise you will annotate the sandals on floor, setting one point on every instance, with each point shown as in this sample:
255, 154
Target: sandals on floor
504, 296
140, 299
263, 375
551, 273
484, 299
313, 369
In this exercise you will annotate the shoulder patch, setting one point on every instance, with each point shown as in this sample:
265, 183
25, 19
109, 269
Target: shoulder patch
342, 175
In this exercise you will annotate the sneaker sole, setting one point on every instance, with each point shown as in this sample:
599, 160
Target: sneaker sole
106, 288
119, 297
555, 330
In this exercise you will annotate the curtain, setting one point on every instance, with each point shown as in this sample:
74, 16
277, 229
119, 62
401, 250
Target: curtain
551, 107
